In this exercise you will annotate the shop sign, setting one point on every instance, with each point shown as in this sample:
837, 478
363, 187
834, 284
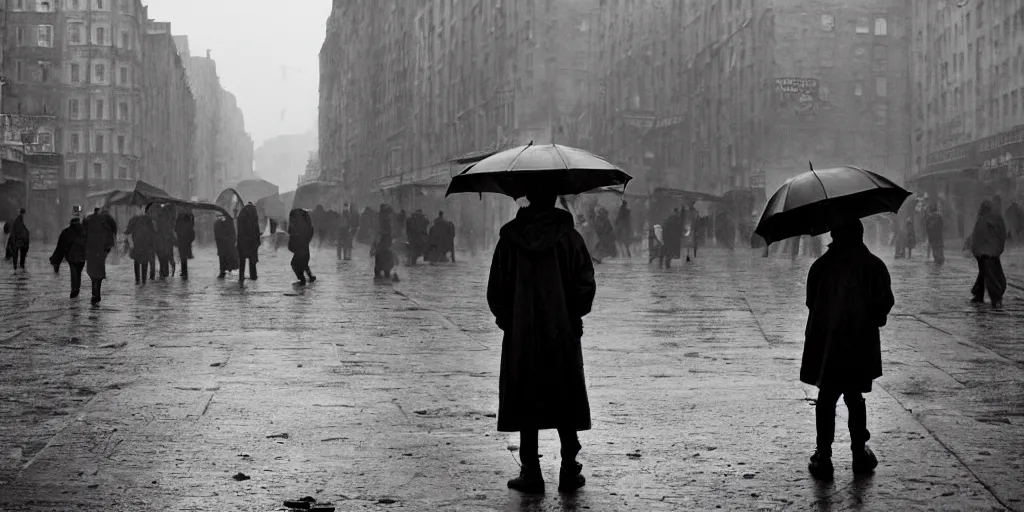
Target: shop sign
988, 153
43, 178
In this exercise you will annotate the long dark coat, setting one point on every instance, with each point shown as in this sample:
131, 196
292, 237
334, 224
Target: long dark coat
248, 234
185, 233
300, 230
224, 235
624, 225
541, 286
164, 237
20, 235
142, 229
71, 245
849, 295
672, 235
100, 234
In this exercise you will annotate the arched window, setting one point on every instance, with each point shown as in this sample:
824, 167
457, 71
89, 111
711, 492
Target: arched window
881, 27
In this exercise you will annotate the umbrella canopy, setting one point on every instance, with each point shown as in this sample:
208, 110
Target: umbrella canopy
561, 169
254, 190
272, 207
141, 195
815, 201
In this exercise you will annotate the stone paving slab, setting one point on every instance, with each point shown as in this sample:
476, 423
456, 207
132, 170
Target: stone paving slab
387, 393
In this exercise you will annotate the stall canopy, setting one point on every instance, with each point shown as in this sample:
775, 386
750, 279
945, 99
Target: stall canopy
254, 190
328, 195
272, 206
191, 205
141, 195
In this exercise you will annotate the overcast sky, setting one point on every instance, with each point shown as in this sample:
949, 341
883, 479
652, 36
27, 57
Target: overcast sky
266, 52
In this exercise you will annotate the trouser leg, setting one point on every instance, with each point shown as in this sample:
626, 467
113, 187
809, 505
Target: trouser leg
137, 266
978, 290
825, 419
995, 280
570, 442
146, 268
184, 267
528, 448
252, 269
76, 277
858, 422
97, 285
297, 268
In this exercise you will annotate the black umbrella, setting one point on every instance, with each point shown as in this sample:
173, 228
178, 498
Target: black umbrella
816, 201
561, 169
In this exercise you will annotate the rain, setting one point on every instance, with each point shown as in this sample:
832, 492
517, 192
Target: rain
480, 255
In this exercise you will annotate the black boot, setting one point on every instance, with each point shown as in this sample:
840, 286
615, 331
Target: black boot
821, 466
569, 477
529, 481
864, 461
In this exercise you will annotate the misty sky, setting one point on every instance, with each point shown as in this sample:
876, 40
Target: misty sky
266, 52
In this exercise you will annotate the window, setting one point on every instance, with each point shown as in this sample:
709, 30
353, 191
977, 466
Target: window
76, 73
45, 33
44, 5
44, 72
45, 140
98, 148
862, 26
97, 170
71, 171
73, 109
122, 172
17, 70
20, 35
120, 144
76, 5
858, 89
124, 76
76, 143
75, 33
99, 73
19, 5
881, 27
99, 109
99, 5
101, 36
125, 40
122, 111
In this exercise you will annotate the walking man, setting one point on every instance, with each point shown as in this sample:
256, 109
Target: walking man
934, 228
185, 234
300, 234
20, 239
142, 229
541, 285
71, 245
849, 296
624, 229
100, 235
987, 244
248, 239
227, 251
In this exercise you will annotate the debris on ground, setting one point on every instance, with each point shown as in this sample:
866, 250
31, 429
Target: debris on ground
283, 435
241, 476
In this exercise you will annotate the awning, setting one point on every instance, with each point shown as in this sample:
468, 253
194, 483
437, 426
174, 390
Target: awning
969, 173
684, 195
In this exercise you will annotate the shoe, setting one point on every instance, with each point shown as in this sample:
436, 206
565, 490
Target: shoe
864, 461
821, 466
312, 279
220, 276
95, 301
997, 304
299, 283
529, 481
569, 478
978, 300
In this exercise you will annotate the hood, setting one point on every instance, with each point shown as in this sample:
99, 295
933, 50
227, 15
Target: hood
538, 229
986, 208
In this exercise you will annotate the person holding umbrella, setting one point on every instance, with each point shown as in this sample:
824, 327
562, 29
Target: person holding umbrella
540, 287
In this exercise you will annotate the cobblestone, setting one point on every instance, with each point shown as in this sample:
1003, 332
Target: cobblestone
387, 392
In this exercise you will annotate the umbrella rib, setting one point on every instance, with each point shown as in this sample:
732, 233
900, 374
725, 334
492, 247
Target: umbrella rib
560, 157
823, 191
516, 159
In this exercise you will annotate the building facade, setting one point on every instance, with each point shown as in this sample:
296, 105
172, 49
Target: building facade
397, 103
732, 97
234, 144
168, 111
968, 107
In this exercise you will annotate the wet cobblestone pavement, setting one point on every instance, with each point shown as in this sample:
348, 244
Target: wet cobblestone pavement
387, 392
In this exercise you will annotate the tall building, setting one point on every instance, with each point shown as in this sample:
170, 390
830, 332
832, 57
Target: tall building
968, 106
74, 96
235, 146
168, 113
398, 103
733, 97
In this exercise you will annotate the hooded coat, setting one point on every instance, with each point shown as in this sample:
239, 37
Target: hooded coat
100, 234
224, 235
71, 245
989, 238
300, 230
849, 295
248, 234
20, 235
541, 285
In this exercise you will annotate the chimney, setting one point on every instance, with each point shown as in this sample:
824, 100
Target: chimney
207, 54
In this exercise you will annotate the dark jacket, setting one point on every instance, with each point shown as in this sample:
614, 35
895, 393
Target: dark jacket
163, 237
71, 245
248, 233
185, 233
849, 296
934, 228
224, 235
100, 235
19, 232
672, 235
142, 229
989, 237
300, 231
541, 285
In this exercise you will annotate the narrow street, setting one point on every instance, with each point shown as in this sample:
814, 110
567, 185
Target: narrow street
376, 396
